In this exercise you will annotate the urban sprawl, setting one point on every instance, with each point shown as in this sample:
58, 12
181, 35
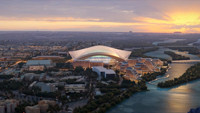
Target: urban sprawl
38, 78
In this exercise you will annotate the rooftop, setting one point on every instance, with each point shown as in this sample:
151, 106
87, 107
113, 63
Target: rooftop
38, 62
100, 50
102, 69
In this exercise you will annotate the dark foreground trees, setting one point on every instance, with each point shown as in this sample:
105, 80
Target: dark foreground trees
100, 104
10, 85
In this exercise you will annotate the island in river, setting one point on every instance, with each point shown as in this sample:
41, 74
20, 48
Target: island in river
191, 74
176, 56
178, 99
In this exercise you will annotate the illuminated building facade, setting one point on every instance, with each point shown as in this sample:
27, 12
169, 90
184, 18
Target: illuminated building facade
100, 53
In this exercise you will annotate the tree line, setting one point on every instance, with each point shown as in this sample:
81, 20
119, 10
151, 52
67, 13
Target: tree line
113, 96
176, 56
192, 73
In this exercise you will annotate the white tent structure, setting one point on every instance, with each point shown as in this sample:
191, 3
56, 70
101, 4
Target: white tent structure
120, 55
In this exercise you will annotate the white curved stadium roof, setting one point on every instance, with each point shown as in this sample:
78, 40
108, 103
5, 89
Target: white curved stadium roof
100, 50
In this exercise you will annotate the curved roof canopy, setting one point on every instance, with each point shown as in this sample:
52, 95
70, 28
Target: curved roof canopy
117, 54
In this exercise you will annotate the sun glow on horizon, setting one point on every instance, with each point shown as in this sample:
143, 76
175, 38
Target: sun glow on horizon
158, 16
185, 22
185, 18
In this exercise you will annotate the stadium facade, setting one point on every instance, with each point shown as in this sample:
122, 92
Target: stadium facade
100, 53
98, 57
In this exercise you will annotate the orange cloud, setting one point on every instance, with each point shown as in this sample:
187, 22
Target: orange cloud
173, 18
48, 19
57, 25
185, 18
175, 21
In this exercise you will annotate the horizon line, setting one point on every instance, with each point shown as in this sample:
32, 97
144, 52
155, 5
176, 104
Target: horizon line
95, 31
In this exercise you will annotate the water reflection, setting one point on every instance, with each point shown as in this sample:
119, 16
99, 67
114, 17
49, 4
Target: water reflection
192, 57
176, 70
191, 44
174, 103
167, 41
159, 54
170, 100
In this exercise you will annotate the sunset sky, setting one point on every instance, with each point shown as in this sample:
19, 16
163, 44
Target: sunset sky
101, 15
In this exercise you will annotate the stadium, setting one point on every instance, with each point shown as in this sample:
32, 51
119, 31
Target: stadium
100, 53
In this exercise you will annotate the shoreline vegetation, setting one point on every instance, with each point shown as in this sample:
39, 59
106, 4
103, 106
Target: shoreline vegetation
190, 50
183, 42
176, 56
142, 51
191, 74
152, 76
114, 94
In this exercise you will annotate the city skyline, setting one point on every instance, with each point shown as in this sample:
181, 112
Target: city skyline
92, 15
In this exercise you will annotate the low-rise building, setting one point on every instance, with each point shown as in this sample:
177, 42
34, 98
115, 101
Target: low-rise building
44, 105
2, 109
3, 59
103, 72
33, 76
131, 74
46, 87
8, 106
144, 68
75, 88
41, 107
86, 63
36, 68
47, 58
71, 77
158, 62
39, 65
32, 109
140, 66
21, 55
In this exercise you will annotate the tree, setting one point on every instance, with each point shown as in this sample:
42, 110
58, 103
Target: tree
79, 69
66, 107
53, 109
21, 108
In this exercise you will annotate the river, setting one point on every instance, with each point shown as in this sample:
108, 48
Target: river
167, 41
191, 44
178, 99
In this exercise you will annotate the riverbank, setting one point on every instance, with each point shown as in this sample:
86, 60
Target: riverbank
152, 76
190, 50
141, 52
164, 100
176, 56
191, 74
115, 95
